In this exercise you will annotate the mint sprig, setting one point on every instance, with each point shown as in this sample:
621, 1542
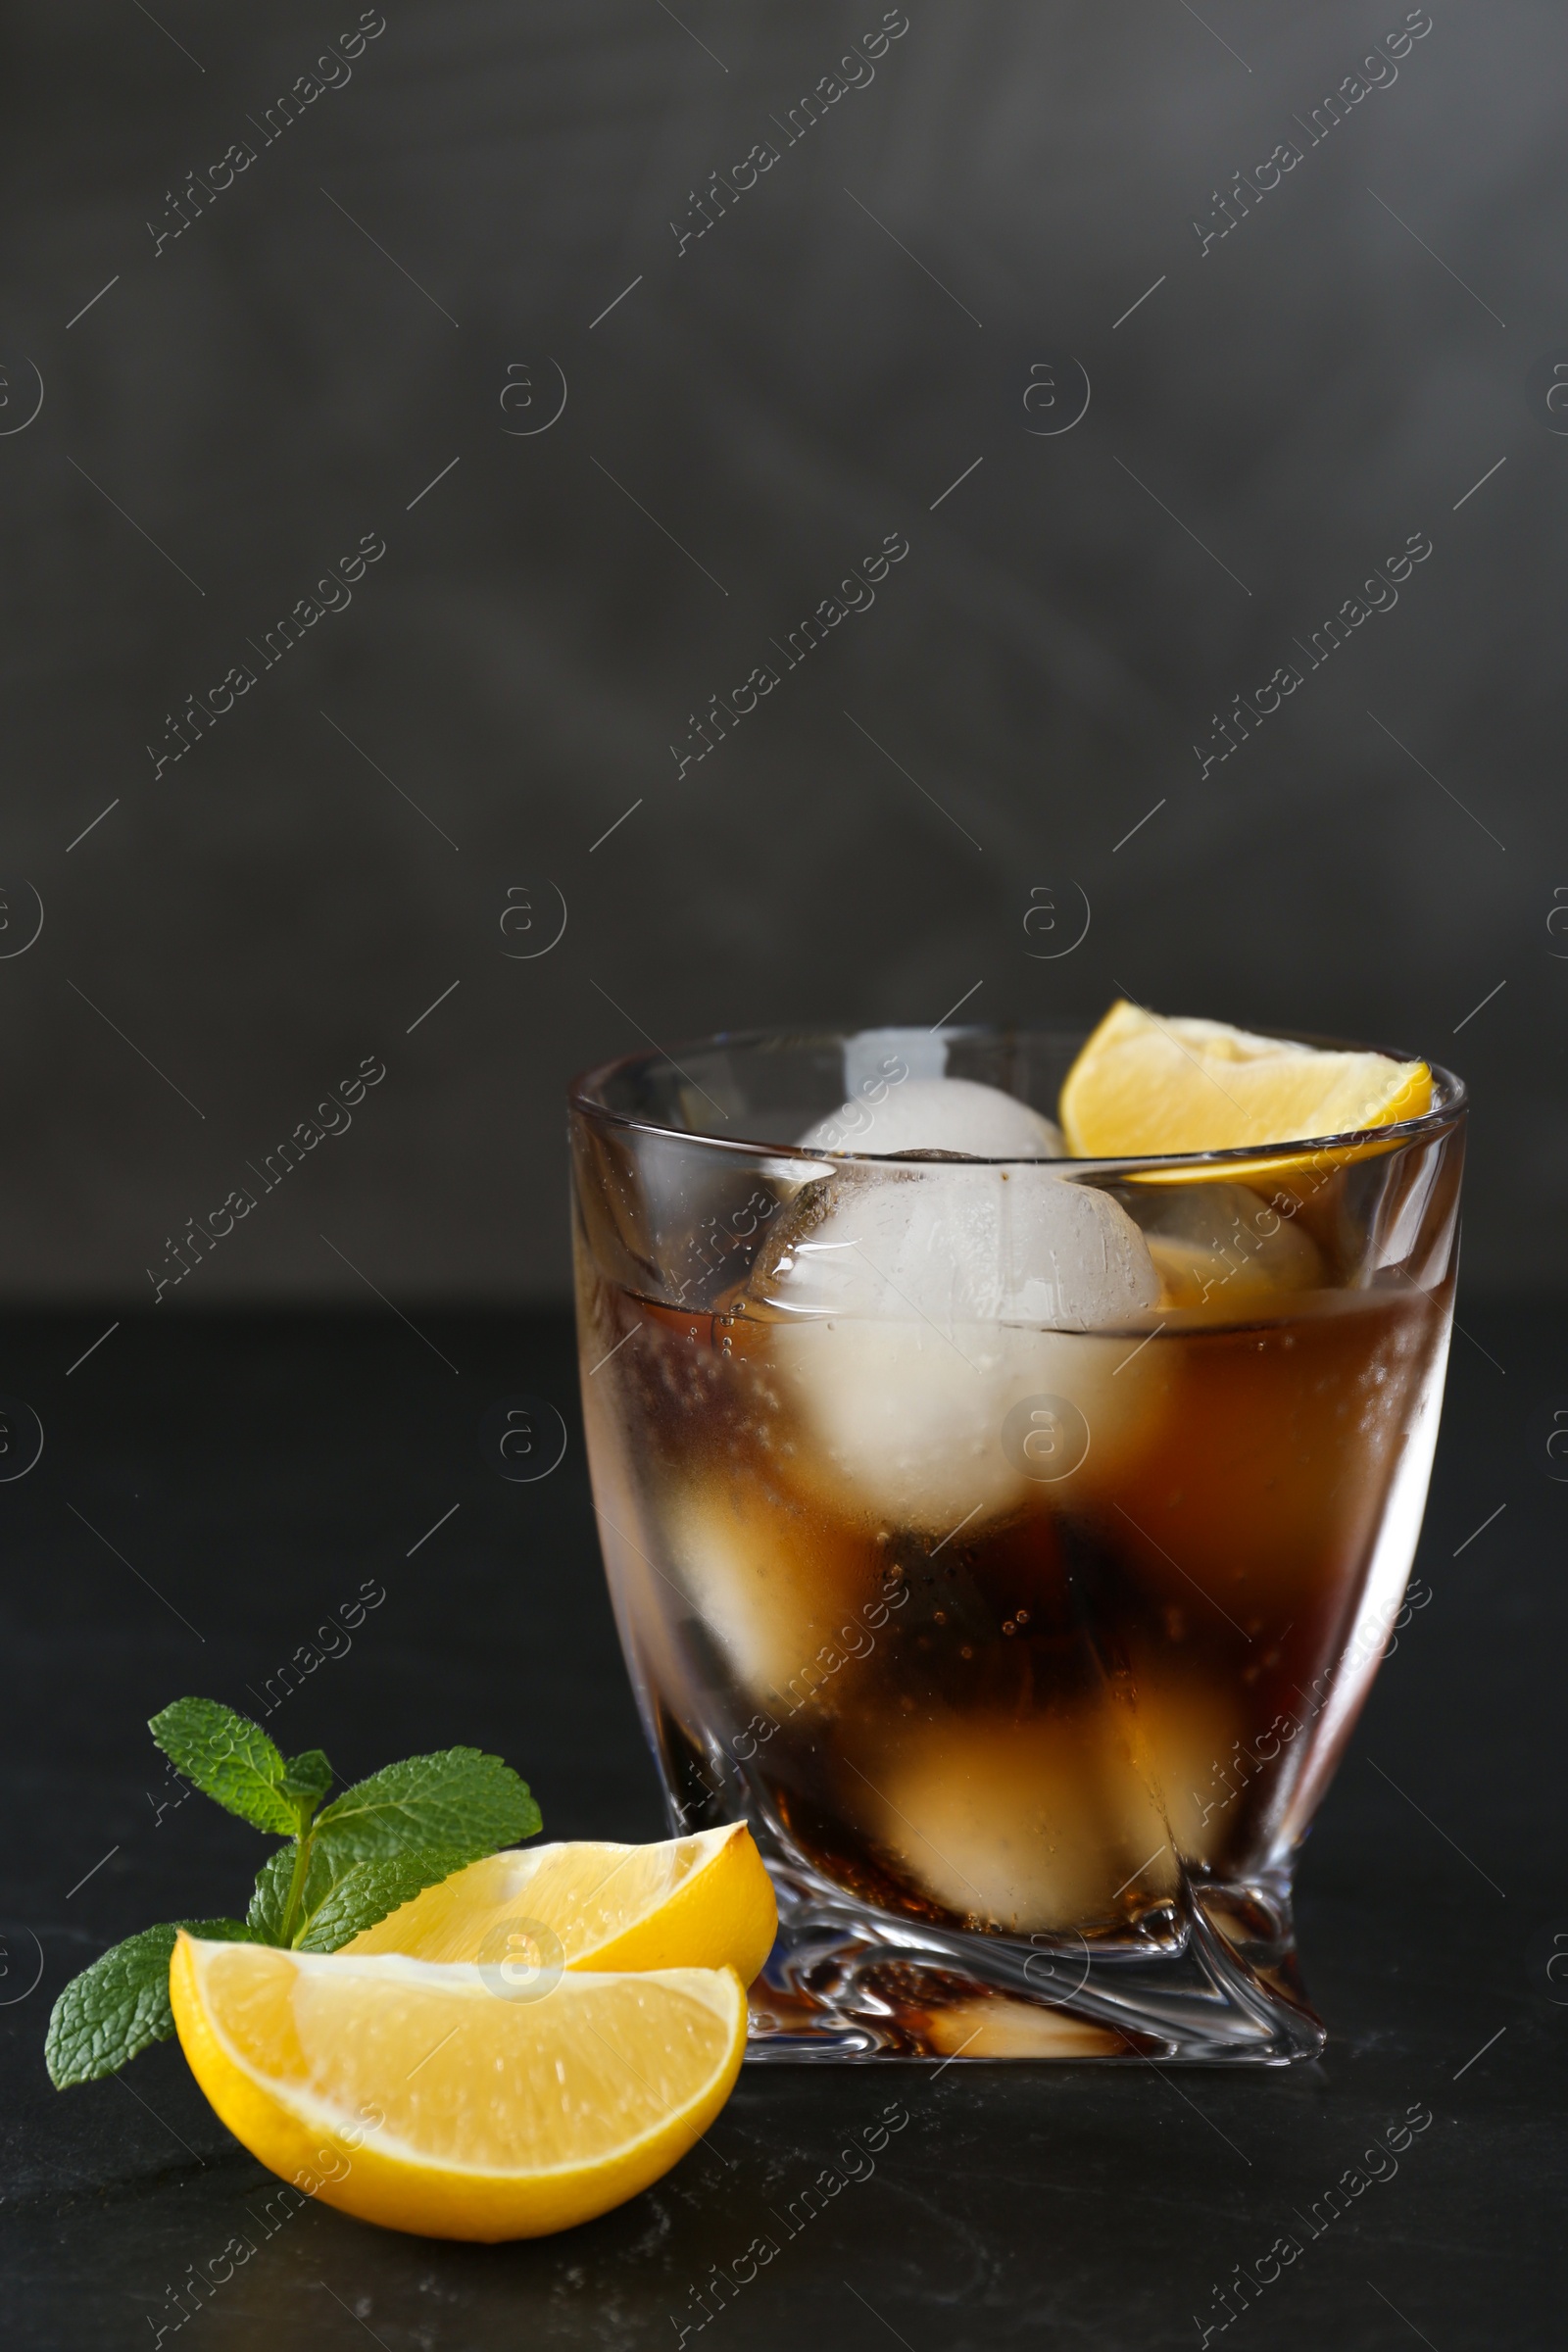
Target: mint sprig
344, 1867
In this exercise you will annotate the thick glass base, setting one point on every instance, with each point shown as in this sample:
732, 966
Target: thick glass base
1209, 1978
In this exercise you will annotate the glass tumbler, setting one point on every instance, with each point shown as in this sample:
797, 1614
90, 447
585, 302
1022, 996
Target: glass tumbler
1010, 1544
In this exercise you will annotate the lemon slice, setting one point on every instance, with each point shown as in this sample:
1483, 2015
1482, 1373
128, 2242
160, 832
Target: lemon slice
423, 2098
1145, 1086
690, 1902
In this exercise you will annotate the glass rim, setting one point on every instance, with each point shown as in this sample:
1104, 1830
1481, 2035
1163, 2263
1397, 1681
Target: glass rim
582, 1097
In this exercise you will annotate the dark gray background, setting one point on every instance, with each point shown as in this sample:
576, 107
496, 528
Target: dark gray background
1323, 382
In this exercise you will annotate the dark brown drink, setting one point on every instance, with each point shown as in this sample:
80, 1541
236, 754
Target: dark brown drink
1023, 1725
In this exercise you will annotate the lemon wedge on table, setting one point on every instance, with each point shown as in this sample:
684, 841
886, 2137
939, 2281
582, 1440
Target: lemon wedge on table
1145, 1086
409, 2093
690, 1902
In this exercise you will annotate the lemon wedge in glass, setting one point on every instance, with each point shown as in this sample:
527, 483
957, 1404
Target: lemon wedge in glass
1145, 1086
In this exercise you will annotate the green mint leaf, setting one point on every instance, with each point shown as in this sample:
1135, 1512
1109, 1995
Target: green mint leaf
270, 1903
115, 2009
231, 1759
308, 1777
461, 1800
371, 1891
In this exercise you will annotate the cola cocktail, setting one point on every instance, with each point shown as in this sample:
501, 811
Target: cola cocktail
1010, 1539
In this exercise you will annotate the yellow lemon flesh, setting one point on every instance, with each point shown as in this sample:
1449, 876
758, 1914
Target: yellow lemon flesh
424, 2099
1144, 1086
691, 1902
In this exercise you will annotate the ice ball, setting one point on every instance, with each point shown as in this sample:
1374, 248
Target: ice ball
937, 1115
949, 1244
1022, 1825
919, 1307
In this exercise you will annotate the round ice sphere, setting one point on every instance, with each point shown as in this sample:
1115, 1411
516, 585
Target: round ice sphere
922, 1304
905, 1425
1022, 1825
937, 1115
937, 1243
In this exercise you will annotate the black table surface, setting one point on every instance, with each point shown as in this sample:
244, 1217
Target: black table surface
211, 1491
